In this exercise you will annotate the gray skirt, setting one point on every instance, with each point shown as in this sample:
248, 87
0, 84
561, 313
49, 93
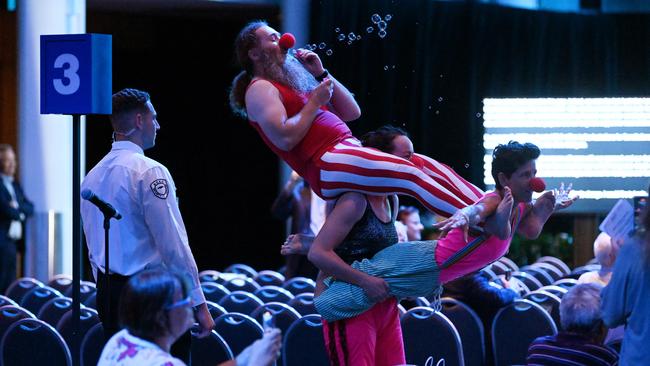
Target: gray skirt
409, 268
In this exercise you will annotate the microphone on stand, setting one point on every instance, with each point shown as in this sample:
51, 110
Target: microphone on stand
102, 205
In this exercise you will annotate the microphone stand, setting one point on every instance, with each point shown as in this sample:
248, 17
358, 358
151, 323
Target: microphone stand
107, 270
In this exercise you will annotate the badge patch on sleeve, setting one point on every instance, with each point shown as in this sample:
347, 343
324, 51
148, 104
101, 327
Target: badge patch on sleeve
160, 188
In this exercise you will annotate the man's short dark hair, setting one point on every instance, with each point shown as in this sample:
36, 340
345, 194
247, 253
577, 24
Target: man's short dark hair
144, 299
126, 102
507, 158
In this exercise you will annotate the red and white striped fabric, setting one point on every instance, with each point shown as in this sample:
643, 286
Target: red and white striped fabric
350, 167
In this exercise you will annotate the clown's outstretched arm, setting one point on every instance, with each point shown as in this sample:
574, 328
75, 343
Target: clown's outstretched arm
538, 213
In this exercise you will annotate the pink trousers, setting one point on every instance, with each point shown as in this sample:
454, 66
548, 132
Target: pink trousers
372, 338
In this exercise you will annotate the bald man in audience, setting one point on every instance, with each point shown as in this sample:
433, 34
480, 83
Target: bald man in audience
605, 251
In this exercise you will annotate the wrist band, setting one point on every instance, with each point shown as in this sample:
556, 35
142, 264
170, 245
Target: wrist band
322, 76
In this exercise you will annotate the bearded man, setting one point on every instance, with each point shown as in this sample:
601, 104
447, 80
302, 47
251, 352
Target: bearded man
299, 109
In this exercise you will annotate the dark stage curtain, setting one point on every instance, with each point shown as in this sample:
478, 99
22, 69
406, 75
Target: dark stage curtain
440, 59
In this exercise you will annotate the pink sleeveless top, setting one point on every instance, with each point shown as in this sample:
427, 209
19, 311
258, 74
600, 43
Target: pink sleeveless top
489, 251
326, 131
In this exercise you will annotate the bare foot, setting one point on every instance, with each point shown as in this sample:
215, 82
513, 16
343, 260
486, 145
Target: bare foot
502, 214
296, 244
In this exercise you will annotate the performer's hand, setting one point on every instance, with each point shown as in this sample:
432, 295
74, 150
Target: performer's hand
323, 92
458, 220
205, 320
376, 288
310, 61
562, 199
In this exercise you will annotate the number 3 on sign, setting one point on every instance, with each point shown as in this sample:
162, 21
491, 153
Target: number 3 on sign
70, 65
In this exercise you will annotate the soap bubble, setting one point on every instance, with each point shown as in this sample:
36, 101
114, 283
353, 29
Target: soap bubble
329, 52
370, 29
381, 33
375, 18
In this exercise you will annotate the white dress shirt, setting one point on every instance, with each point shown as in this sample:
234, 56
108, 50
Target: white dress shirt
151, 232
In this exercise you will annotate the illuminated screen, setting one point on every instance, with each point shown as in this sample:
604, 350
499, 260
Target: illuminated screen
600, 145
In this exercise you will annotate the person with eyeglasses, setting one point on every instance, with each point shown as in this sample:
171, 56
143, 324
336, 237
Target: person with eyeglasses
155, 310
151, 232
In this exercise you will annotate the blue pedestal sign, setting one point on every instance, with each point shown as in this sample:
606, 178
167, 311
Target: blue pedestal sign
76, 74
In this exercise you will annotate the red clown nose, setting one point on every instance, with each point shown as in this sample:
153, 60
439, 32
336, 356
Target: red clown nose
537, 184
287, 41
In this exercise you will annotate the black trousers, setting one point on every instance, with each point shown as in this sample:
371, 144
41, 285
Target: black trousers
7, 264
180, 349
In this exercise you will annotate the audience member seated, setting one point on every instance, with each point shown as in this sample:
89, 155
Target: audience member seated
476, 292
155, 310
581, 340
605, 251
410, 216
625, 299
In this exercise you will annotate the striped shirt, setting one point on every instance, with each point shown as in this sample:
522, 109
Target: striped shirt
569, 349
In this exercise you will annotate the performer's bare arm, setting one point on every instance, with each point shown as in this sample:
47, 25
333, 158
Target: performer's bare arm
342, 103
263, 106
348, 210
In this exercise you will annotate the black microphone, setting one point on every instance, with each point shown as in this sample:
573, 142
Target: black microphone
104, 207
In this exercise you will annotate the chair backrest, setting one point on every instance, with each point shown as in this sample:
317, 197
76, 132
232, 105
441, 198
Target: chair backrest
4, 300
283, 315
548, 301
241, 269
242, 284
304, 303
489, 273
500, 268
20, 287
555, 290
238, 330
52, 311
33, 342
91, 301
92, 345
539, 273
551, 269
528, 279
87, 319
269, 278
61, 283
210, 275
428, 333
213, 291
298, 285
273, 294
578, 271
240, 302
304, 344
513, 329
509, 262
422, 301
566, 283
215, 309
557, 262
10, 314
209, 351
86, 289
469, 327
37, 297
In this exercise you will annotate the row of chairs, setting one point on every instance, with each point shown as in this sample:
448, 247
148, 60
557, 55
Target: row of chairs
456, 333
